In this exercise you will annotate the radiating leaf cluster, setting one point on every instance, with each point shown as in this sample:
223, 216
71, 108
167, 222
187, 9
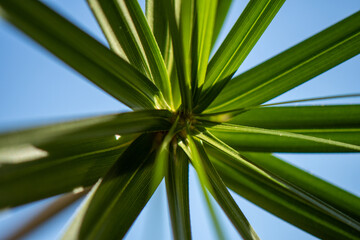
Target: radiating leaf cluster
188, 110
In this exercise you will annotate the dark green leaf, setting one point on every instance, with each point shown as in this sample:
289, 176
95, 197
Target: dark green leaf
228, 156
56, 167
119, 34
301, 117
181, 47
293, 67
246, 138
218, 189
124, 191
133, 23
324, 191
108, 125
159, 26
83, 53
280, 203
50, 160
177, 188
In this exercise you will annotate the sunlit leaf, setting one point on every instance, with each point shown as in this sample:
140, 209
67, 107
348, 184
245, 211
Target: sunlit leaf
292, 67
238, 43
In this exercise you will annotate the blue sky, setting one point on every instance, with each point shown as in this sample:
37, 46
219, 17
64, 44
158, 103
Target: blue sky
36, 88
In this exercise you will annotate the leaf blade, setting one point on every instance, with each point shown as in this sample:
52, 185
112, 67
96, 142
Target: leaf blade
283, 205
62, 157
204, 21
180, 35
301, 117
241, 39
177, 189
292, 67
61, 171
118, 33
298, 140
83, 53
281, 193
132, 178
148, 42
218, 189
221, 13
334, 196
107, 125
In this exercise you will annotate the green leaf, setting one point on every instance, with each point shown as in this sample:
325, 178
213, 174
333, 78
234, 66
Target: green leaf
223, 147
234, 159
324, 191
203, 180
162, 153
202, 37
61, 167
181, 47
159, 26
221, 13
292, 67
119, 34
301, 117
354, 95
108, 125
50, 160
299, 140
218, 189
83, 53
238, 43
282, 204
124, 191
135, 25
177, 189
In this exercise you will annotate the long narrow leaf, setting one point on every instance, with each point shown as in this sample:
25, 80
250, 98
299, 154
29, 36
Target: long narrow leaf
108, 125
163, 151
301, 117
303, 140
243, 36
204, 22
284, 206
275, 143
131, 10
181, 54
177, 189
83, 53
240, 163
219, 191
66, 167
124, 191
119, 33
293, 67
221, 13
334, 196
159, 26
